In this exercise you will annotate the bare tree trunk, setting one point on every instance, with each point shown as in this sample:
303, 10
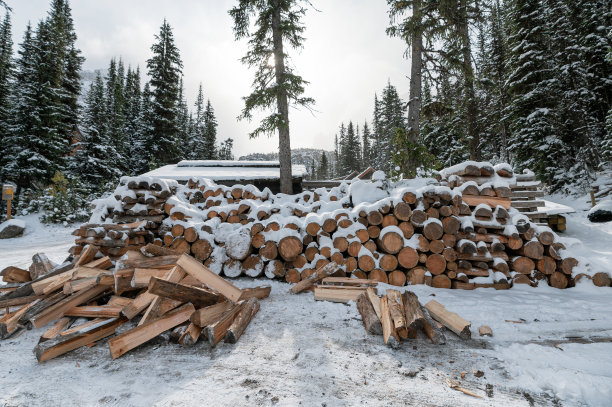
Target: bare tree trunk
414, 105
468, 77
284, 139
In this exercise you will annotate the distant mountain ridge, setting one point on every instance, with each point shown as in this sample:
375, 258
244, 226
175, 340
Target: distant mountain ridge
304, 156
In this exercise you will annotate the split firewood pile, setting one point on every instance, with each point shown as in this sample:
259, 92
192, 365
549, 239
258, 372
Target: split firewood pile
461, 234
90, 297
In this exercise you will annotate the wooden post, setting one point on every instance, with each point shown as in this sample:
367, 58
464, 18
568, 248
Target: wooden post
7, 195
592, 191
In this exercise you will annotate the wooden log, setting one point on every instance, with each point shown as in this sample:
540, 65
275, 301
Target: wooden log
60, 345
217, 330
201, 249
370, 319
375, 218
190, 335
436, 264
436, 246
451, 320
466, 246
418, 218
290, 247
547, 265
489, 200
259, 292
389, 220
441, 281
408, 257
129, 340
523, 265
397, 278
58, 309
413, 312
15, 275
337, 293
292, 276
554, 249
558, 280
207, 277
366, 262
199, 297
269, 251
59, 326
208, 315
95, 311
396, 310
390, 337
388, 262
402, 211
431, 329
568, 264
416, 276
378, 275
319, 275
151, 302
602, 279
329, 225
242, 320
532, 249
433, 230
407, 229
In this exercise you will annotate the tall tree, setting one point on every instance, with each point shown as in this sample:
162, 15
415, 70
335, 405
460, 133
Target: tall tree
210, 131
225, 149
115, 113
366, 154
323, 171
276, 86
6, 75
165, 70
95, 153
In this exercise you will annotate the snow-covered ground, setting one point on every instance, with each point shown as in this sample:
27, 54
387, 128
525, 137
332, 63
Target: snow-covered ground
557, 352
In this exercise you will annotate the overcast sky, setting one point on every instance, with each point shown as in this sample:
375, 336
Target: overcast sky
347, 57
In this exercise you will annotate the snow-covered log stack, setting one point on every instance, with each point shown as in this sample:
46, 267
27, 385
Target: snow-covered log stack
460, 234
129, 219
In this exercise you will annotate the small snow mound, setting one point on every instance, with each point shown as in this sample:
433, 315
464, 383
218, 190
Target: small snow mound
602, 212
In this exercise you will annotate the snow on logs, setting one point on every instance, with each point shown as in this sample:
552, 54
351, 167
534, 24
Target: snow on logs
463, 235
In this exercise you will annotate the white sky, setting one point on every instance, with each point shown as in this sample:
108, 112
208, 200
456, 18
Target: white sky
346, 57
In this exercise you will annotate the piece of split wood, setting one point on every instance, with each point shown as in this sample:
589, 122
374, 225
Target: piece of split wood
485, 331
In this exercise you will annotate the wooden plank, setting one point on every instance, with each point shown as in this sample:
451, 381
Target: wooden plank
50, 349
13, 302
528, 204
199, 297
98, 311
142, 276
57, 310
260, 292
217, 331
492, 201
449, 319
71, 287
349, 281
204, 275
56, 328
129, 340
175, 275
337, 294
208, 315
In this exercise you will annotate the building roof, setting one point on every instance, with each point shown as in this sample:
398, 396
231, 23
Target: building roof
219, 170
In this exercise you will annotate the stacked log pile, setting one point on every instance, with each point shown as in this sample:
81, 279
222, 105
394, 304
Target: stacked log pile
89, 298
131, 221
461, 234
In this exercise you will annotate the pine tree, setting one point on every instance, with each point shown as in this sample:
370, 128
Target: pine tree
197, 148
6, 78
350, 148
165, 70
323, 171
390, 111
210, 132
225, 150
24, 158
95, 152
366, 154
276, 86
133, 129
184, 123
115, 112
147, 131
535, 143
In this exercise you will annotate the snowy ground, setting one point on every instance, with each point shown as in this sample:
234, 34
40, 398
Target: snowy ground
301, 352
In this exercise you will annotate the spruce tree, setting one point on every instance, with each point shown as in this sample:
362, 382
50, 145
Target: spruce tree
133, 129
165, 70
147, 131
210, 132
366, 154
6, 78
323, 171
184, 123
225, 149
196, 140
115, 112
350, 149
276, 86
95, 153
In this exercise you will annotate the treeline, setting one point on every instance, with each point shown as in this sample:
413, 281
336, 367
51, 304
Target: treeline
48, 138
524, 81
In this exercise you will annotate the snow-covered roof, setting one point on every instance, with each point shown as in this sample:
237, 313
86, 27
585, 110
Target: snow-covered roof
218, 170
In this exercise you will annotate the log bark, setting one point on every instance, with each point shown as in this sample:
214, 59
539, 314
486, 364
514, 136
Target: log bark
242, 320
370, 319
